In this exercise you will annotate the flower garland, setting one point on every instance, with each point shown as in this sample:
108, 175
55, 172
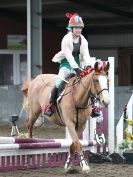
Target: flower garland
127, 143
130, 122
128, 135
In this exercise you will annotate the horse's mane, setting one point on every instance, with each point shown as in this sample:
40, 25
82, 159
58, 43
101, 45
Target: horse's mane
86, 71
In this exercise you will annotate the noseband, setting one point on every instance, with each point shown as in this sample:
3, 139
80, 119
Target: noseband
98, 93
101, 91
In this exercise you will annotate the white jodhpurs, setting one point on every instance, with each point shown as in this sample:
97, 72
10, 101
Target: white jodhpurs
63, 73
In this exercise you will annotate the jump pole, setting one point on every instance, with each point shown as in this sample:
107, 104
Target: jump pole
26, 153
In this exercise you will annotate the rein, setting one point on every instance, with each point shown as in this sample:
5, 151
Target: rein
98, 93
75, 83
72, 85
89, 95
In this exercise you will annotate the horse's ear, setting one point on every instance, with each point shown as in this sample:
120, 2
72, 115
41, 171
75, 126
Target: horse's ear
107, 67
96, 66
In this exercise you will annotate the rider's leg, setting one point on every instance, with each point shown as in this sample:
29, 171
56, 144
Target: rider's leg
96, 112
50, 108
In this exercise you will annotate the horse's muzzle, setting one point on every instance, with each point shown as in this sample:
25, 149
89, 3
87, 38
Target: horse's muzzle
105, 102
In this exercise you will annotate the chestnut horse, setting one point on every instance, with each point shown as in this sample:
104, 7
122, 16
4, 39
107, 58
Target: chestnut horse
75, 106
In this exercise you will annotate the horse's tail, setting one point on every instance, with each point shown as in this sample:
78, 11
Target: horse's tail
24, 89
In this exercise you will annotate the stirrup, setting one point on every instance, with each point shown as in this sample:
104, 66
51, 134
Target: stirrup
49, 109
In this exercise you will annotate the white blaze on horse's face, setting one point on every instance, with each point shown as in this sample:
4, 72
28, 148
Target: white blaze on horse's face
101, 68
104, 95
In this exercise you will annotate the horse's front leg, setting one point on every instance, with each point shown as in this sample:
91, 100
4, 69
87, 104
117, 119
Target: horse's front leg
69, 165
76, 148
83, 163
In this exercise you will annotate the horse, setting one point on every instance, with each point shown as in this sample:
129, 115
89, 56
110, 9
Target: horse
75, 106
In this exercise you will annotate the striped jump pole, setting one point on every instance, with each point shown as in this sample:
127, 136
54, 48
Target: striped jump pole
26, 153
11, 143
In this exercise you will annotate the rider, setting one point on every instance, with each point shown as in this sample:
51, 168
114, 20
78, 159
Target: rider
74, 53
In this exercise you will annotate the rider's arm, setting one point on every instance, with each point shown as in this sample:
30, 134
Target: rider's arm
85, 52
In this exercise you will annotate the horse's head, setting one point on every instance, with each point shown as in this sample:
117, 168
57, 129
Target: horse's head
100, 81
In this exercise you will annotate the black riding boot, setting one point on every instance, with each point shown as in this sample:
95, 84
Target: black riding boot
50, 109
54, 94
95, 108
95, 112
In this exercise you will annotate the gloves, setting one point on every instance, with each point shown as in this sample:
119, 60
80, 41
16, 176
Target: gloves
78, 71
88, 67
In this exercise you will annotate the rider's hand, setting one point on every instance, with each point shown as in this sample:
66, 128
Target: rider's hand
88, 67
78, 71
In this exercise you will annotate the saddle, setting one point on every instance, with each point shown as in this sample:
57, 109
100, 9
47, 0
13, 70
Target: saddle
63, 83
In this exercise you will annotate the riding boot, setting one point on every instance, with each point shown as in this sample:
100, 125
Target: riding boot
50, 108
95, 107
95, 112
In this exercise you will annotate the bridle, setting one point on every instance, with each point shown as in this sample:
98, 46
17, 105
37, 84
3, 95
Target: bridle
101, 74
89, 95
97, 92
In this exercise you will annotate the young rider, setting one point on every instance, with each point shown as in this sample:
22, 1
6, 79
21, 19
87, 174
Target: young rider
73, 56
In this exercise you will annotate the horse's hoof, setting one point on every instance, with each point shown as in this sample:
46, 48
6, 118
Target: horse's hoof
68, 167
86, 170
73, 171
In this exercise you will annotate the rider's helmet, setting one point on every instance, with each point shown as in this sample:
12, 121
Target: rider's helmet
74, 20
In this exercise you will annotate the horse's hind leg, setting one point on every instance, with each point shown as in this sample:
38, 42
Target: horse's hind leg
30, 122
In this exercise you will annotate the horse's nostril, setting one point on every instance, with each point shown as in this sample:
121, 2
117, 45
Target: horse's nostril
104, 103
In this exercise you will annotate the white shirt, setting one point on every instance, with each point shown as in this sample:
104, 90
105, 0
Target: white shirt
67, 49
